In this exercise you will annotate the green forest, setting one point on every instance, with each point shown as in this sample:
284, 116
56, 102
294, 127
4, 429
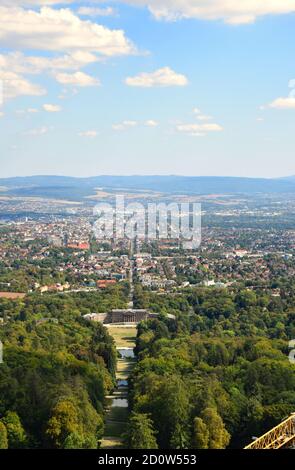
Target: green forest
212, 378
216, 376
56, 370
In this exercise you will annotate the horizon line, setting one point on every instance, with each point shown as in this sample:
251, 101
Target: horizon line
146, 176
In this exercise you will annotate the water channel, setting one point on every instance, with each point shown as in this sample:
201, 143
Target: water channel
117, 403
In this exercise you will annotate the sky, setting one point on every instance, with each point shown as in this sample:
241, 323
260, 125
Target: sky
188, 87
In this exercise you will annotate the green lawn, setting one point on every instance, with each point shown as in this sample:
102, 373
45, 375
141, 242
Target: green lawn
124, 337
111, 443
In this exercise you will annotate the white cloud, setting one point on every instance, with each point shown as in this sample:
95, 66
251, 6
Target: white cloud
1, 114
59, 30
94, 12
283, 103
30, 3
52, 108
68, 93
198, 129
79, 79
14, 65
27, 111
163, 77
88, 134
124, 125
204, 117
200, 116
33, 65
230, 11
151, 123
36, 132
16, 85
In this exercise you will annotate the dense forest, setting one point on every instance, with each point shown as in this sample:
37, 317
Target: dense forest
56, 371
216, 376
212, 378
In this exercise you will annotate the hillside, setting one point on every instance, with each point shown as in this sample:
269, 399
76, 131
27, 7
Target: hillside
78, 188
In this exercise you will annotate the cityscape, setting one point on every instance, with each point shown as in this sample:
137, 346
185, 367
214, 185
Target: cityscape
147, 232
202, 310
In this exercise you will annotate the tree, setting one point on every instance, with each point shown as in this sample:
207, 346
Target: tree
218, 304
76, 440
63, 422
90, 442
15, 432
170, 409
3, 437
200, 435
140, 432
73, 441
179, 438
218, 436
246, 298
254, 413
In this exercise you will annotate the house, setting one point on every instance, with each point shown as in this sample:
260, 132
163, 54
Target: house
104, 283
79, 245
240, 253
55, 288
208, 283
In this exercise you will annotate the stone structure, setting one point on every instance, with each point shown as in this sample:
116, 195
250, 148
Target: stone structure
124, 316
119, 316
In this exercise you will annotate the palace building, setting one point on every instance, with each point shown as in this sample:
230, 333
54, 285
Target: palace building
123, 316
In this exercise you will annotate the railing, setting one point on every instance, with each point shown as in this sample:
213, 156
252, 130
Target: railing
282, 436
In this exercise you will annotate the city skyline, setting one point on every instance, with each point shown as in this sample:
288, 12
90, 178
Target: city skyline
147, 87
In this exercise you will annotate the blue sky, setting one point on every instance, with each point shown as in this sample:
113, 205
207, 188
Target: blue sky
181, 89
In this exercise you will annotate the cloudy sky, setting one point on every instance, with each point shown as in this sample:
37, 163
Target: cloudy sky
191, 87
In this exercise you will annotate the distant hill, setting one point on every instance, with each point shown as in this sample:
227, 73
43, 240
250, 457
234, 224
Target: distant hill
67, 187
289, 178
